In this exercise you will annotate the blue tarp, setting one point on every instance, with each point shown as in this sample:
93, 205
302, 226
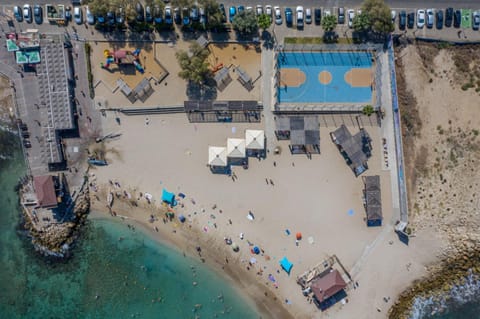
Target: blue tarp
286, 265
168, 197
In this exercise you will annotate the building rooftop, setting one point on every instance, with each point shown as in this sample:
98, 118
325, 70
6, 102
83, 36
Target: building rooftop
356, 147
328, 285
45, 190
373, 200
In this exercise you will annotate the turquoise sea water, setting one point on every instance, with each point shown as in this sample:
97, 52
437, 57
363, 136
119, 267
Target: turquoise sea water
107, 278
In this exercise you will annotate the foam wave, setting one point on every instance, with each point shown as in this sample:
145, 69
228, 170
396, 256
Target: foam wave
425, 307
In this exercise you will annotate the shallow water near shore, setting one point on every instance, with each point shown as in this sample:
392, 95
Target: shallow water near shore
135, 277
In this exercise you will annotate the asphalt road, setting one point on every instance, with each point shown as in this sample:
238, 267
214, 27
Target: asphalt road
465, 4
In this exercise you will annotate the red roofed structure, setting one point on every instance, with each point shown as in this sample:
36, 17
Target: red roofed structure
328, 285
45, 190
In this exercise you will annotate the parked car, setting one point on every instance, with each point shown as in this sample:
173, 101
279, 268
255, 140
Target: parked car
25, 134
351, 15
231, 13
100, 18
140, 17
476, 20
194, 14
89, 16
448, 17
149, 15
327, 12
224, 14
308, 16
38, 14
420, 18
168, 15
177, 17
394, 15
341, 15
27, 143
300, 17
27, 13
430, 18
288, 17
278, 15
439, 19
249, 8
111, 18
203, 16
411, 20
186, 16
318, 16
157, 14
402, 20
268, 10
77, 15
259, 10
457, 18
17, 12
68, 13
241, 9
120, 16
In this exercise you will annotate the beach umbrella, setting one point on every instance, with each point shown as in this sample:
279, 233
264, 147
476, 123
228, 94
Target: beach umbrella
256, 250
236, 148
255, 139
217, 156
299, 236
235, 247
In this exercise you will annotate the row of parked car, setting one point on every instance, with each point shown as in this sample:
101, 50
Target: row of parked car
431, 17
25, 13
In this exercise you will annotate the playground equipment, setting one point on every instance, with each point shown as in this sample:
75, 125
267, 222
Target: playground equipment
122, 57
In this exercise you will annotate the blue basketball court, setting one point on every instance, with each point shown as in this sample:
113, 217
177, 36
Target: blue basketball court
325, 77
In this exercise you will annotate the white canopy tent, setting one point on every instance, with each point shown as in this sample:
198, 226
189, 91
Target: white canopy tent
255, 139
217, 156
236, 147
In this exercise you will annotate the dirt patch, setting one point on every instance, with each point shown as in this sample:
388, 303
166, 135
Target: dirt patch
441, 144
467, 63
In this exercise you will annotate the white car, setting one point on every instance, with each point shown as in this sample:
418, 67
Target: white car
394, 15
27, 13
300, 17
278, 15
350, 15
77, 15
308, 15
249, 9
89, 16
430, 18
259, 10
420, 18
268, 10
327, 12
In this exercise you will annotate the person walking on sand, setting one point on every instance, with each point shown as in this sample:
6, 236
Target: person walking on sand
266, 180
271, 182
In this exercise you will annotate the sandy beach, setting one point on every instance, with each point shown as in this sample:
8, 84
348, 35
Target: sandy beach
308, 196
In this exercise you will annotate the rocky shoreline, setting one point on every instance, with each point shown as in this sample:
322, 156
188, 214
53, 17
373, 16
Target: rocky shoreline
451, 273
56, 240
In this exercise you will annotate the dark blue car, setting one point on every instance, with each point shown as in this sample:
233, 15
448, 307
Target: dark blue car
231, 13
288, 17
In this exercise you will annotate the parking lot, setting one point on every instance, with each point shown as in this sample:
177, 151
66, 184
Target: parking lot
464, 32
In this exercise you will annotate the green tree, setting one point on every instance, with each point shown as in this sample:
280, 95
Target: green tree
379, 14
245, 22
264, 21
212, 10
329, 23
194, 65
361, 22
368, 110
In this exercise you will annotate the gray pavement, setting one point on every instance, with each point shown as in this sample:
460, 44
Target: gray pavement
268, 70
